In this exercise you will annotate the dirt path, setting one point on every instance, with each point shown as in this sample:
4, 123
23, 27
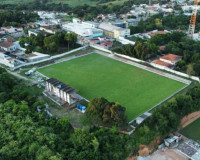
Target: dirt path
185, 121
20, 76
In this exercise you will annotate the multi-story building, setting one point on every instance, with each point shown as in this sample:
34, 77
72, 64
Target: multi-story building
114, 31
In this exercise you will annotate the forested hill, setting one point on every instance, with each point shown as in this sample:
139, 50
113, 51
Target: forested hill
28, 134
72, 3
80, 8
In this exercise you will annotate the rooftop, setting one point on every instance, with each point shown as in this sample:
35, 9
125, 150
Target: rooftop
158, 32
60, 85
171, 57
6, 44
81, 29
162, 48
109, 27
10, 39
159, 62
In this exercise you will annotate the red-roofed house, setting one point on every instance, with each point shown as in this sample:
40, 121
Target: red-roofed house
9, 29
7, 46
170, 58
15, 32
163, 64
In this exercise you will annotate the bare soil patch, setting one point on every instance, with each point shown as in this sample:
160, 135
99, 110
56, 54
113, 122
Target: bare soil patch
185, 121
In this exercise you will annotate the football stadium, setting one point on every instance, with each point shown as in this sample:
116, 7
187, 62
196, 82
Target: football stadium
95, 75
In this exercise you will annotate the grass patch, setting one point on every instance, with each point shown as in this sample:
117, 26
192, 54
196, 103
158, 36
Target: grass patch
192, 131
99, 76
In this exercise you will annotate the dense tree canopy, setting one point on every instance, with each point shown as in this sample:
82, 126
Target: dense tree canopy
141, 50
161, 22
50, 44
85, 11
29, 134
102, 111
16, 18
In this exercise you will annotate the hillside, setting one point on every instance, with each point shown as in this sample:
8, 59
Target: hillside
73, 3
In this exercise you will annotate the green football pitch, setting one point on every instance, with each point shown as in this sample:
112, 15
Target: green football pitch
192, 131
95, 75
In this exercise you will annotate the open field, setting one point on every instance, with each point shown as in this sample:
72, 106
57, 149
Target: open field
95, 75
192, 131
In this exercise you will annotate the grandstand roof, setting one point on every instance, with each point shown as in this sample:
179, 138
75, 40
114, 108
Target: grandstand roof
60, 85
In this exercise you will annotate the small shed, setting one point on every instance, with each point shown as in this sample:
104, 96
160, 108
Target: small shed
172, 142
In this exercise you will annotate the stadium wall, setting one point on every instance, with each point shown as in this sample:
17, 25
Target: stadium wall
50, 58
154, 65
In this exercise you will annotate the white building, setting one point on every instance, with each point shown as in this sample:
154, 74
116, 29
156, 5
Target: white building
60, 91
7, 46
91, 24
189, 8
49, 29
15, 32
6, 60
114, 31
125, 41
76, 20
46, 15
196, 36
33, 32
83, 30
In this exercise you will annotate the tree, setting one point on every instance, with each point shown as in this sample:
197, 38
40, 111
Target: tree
190, 70
141, 50
71, 39
197, 69
102, 111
